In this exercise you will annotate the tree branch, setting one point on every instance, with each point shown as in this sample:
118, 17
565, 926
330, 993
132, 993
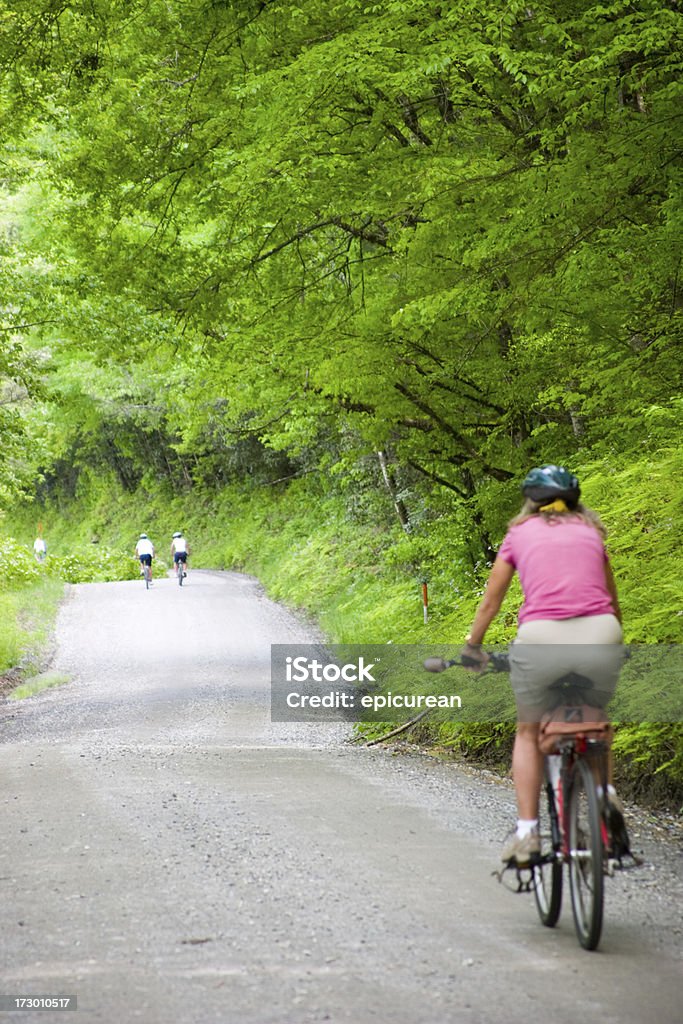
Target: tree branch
438, 479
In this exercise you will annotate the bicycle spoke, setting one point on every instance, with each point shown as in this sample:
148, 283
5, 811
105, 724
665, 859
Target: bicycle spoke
585, 857
548, 873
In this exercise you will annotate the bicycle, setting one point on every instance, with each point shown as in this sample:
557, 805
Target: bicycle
579, 826
582, 827
147, 574
181, 571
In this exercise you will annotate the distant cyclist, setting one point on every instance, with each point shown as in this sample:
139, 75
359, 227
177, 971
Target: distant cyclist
179, 552
39, 549
144, 549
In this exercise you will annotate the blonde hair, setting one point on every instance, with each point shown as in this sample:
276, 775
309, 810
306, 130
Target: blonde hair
533, 508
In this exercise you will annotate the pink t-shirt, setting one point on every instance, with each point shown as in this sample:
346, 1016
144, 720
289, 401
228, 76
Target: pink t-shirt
561, 567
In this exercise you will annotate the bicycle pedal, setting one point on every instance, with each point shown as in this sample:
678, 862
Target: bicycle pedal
523, 884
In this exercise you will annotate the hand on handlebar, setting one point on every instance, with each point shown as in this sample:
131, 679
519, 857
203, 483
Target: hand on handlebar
474, 659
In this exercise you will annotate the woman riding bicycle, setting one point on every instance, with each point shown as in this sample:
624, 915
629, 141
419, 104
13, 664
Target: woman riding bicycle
557, 546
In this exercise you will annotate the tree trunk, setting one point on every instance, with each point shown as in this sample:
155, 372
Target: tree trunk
390, 481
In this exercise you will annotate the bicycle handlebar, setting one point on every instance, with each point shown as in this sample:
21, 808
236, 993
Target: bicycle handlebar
496, 663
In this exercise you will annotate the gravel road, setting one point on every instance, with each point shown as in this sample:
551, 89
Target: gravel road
171, 856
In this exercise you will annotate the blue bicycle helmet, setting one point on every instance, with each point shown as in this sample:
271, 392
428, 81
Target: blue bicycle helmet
545, 483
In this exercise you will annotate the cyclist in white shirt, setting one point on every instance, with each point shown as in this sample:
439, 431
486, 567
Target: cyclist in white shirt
179, 552
144, 549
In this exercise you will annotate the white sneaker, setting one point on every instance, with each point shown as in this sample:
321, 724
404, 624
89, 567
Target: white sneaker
522, 849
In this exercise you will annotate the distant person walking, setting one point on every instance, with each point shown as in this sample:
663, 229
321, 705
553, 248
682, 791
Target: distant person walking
144, 549
39, 549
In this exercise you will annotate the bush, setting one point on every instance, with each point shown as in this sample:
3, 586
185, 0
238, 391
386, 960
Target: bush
17, 565
94, 565
649, 762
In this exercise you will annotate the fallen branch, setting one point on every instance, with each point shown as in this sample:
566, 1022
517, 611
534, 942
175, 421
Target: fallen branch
400, 729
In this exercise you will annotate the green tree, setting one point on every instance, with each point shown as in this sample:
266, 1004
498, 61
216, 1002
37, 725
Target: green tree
446, 232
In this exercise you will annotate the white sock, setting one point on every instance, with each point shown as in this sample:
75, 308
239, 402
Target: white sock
525, 826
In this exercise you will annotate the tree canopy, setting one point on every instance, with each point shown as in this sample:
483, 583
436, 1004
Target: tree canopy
446, 232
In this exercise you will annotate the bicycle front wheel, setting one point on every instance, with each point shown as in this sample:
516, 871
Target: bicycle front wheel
586, 878
548, 872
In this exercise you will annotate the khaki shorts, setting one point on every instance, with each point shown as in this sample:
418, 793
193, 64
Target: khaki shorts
545, 650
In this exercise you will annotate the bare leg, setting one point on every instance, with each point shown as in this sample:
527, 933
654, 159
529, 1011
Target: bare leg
527, 770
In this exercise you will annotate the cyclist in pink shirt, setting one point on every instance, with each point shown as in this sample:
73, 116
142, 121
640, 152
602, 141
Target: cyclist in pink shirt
557, 546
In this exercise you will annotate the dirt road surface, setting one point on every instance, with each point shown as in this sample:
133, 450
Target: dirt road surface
171, 856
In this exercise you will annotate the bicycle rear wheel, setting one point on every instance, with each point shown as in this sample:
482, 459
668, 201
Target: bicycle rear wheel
548, 873
586, 878
181, 573
148, 576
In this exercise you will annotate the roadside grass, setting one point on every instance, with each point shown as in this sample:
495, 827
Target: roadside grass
36, 684
12, 637
28, 615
